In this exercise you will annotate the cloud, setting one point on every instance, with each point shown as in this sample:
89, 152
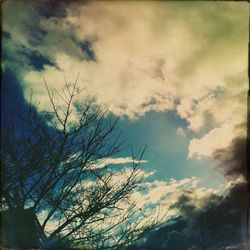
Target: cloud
161, 196
225, 113
51, 225
114, 161
208, 221
231, 160
148, 54
213, 140
208, 218
181, 132
152, 198
139, 57
157, 199
153, 193
232, 208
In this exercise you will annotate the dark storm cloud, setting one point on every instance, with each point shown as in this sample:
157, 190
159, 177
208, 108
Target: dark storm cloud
231, 161
185, 204
234, 200
220, 222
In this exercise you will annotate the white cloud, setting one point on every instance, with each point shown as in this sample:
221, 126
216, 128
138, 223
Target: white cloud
150, 56
164, 194
215, 139
113, 161
51, 224
142, 54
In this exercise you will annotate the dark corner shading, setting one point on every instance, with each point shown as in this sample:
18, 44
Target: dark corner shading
218, 225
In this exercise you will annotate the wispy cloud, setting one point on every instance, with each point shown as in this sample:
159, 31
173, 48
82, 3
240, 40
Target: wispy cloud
115, 161
156, 199
181, 132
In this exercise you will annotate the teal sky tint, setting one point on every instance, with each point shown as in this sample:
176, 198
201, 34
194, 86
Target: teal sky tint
176, 74
166, 151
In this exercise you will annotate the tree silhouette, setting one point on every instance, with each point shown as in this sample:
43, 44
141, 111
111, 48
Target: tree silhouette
54, 164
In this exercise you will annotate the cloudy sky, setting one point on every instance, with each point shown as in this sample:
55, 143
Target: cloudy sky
175, 72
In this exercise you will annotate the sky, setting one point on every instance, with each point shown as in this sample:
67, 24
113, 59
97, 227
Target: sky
174, 72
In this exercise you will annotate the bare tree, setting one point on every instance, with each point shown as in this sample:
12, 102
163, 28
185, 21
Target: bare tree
56, 167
